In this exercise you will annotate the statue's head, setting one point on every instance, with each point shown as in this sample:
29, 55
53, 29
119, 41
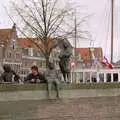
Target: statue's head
51, 65
65, 45
6, 68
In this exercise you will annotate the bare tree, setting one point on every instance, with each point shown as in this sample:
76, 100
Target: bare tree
43, 20
40, 18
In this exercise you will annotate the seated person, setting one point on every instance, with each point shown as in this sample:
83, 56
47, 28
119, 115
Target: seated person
9, 75
52, 78
35, 76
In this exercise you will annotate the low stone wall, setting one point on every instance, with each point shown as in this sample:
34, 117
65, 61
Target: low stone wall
64, 94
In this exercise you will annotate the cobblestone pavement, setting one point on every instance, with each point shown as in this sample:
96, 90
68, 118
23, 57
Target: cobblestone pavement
103, 108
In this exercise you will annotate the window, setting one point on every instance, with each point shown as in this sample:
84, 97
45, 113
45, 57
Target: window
25, 51
30, 50
43, 64
35, 53
17, 55
40, 63
24, 63
38, 54
9, 55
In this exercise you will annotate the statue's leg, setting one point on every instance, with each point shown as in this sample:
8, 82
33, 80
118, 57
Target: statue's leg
68, 77
56, 83
49, 89
64, 76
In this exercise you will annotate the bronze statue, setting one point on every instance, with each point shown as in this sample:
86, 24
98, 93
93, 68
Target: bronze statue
64, 62
52, 78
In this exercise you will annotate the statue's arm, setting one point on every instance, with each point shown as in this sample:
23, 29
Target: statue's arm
58, 75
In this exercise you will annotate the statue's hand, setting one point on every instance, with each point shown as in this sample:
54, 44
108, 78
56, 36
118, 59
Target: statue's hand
38, 80
32, 80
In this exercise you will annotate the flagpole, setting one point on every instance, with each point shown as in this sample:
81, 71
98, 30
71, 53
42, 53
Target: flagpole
75, 43
75, 35
112, 29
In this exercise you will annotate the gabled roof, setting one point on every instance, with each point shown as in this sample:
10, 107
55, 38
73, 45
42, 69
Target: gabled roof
85, 53
35, 43
5, 34
25, 42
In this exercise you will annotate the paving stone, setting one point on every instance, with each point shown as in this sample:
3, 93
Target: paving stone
102, 108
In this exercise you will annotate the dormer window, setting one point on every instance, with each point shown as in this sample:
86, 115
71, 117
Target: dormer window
25, 51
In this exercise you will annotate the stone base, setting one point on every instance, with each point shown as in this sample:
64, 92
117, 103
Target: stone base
64, 94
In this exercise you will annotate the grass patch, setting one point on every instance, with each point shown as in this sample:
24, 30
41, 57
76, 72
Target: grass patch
26, 87
93, 86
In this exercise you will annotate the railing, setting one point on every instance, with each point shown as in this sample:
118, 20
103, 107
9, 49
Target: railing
95, 75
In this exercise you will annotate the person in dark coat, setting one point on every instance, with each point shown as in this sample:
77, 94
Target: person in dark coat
35, 76
9, 75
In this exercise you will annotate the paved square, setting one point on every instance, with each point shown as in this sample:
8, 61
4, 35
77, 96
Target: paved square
102, 108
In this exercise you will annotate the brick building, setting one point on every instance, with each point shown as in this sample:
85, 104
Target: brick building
10, 50
18, 52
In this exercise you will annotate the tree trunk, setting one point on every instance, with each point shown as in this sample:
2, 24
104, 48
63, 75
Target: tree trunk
47, 60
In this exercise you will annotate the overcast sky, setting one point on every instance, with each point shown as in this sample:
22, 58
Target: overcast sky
97, 24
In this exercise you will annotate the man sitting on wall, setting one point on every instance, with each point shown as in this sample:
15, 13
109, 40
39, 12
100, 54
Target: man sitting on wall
9, 75
35, 76
52, 77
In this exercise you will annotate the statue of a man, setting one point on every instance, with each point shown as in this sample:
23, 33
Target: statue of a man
64, 62
52, 77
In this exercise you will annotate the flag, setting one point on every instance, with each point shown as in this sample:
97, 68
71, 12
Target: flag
72, 65
107, 63
105, 60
